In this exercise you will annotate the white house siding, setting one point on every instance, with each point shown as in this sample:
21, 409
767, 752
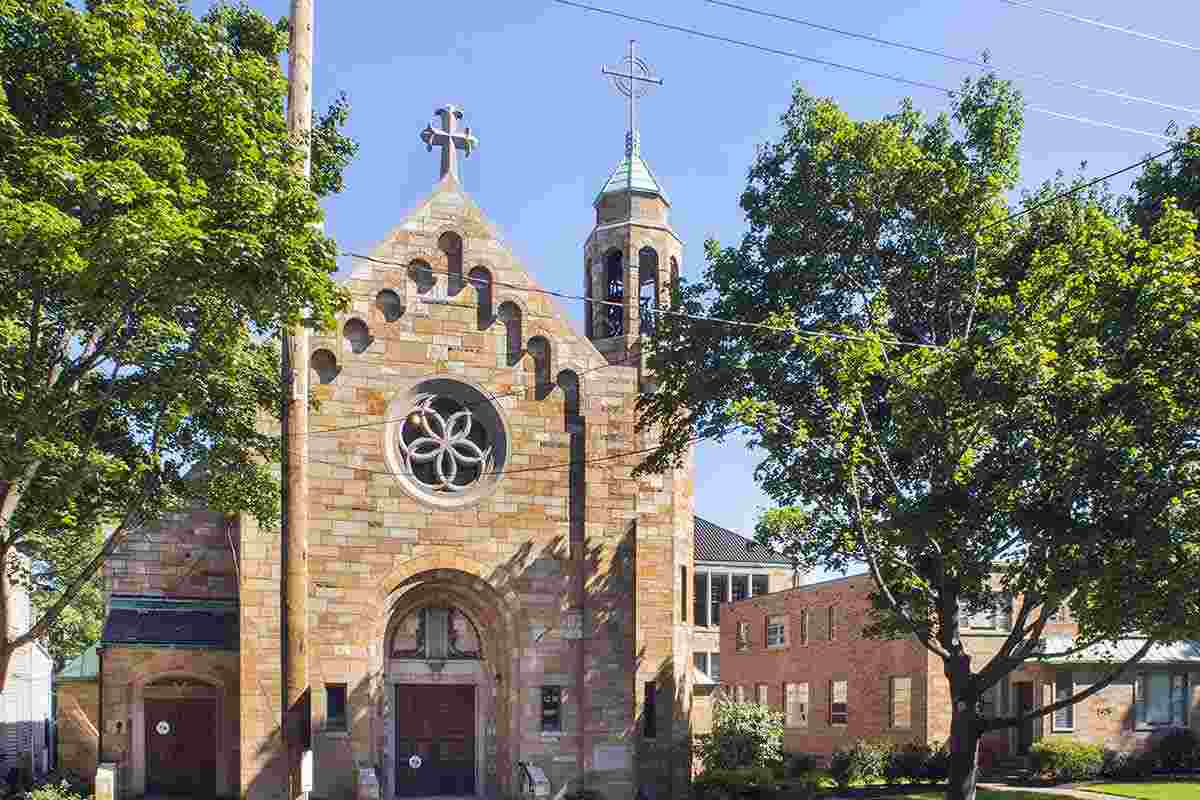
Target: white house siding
25, 701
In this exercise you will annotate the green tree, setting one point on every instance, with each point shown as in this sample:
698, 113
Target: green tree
1019, 423
155, 235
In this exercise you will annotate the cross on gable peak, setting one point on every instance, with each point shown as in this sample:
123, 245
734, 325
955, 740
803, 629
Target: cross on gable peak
450, 139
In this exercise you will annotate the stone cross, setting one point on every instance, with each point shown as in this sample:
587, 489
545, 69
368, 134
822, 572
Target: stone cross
450, 139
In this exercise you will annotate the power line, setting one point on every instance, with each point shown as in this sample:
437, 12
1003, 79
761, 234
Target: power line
561, 465
815, 334
1076, 189
956, 59
1107, 26
836, 65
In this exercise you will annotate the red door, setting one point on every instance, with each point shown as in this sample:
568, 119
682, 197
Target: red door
435, 740
181, 751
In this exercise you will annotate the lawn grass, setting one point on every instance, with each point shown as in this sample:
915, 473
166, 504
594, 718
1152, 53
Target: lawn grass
1150, 790
980, 794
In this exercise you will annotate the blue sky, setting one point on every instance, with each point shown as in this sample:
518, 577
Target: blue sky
527, 73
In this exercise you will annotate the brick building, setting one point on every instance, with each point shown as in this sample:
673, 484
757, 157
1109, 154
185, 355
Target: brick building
489, 583
802, 651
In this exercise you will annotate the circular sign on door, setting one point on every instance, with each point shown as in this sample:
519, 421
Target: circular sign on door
414, 761
163, 727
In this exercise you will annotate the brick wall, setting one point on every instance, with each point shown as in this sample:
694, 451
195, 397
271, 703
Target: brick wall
866, 665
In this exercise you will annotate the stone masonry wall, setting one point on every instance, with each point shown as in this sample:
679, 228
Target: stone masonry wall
77, 714
368, 537
866, 665
187, 554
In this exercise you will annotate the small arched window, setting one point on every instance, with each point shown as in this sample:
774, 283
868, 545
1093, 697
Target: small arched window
674, 288
509, 313
481, 279
648, 290
614, 278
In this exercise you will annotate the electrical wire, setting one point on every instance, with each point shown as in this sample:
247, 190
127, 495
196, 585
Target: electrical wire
836, 65
659, 310
988, 65
507, 472
1107, 26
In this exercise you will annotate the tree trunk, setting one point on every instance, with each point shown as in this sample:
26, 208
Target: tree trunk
964, 752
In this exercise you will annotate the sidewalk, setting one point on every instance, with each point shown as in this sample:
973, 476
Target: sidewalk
1066, 791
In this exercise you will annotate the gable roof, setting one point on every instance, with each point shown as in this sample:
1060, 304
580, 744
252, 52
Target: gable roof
83, 667
1185, 652
714, 543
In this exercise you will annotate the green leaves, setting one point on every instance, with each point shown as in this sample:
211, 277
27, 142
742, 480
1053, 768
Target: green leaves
964, 402
154, 236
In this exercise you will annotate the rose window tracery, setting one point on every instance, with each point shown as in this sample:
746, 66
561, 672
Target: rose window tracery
442, 445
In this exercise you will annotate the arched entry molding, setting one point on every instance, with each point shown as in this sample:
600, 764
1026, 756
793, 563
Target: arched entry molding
154, 683
453, 582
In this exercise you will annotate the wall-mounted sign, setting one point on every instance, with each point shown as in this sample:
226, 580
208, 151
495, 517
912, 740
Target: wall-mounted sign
414, 761
163, 727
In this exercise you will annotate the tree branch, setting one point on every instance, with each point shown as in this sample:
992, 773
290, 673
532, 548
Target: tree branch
1099, 686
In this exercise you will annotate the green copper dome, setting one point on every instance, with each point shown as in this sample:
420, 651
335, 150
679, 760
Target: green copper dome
632, 174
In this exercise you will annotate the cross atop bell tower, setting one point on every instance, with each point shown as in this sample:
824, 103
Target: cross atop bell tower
633, 78
450, 139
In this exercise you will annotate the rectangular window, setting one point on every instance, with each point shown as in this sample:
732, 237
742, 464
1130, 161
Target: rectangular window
804, 626
776, 630
740, 694
1064, 687
832, 623
551, 709
902, 702
839, 710
759, 585
683, 589
743, 637
741, 587
761, 696
700, 598
1160, 699
701, 662
335, 706
796, 705
720, 588
987, 703
650, 711
714, 664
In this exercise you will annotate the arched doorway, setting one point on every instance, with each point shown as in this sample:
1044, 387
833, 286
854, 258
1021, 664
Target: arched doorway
177, 733
448, 691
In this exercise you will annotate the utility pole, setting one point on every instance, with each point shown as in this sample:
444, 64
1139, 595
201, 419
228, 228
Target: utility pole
294, 536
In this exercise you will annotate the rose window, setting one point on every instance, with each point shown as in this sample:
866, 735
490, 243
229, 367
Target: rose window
446, 441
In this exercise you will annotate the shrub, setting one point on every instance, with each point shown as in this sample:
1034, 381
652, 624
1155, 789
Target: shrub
1061, 758
57, 787
1125, 765
743, 735
1176, 750
797, 765
937, 767
746, 783
862, 762
908, 763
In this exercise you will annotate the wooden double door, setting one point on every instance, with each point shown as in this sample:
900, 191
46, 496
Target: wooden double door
435, 740
181, 751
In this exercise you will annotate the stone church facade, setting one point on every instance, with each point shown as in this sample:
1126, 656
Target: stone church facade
490, 585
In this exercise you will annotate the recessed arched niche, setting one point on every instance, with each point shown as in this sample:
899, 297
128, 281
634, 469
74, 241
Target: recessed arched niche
435, 633
390, 305
357, 335
324, 363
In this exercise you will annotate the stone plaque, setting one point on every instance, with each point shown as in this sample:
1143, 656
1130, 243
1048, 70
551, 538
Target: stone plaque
572, 625
607, 757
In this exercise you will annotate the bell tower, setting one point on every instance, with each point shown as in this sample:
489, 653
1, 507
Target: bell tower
632, 256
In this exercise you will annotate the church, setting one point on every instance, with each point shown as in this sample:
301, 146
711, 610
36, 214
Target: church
492, 594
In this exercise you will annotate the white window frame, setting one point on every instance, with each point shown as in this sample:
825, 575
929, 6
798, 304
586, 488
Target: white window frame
779, 627
742, 641
1069, 725
892, 702
707, 569
762, 695
795, 704
1140, 690
845, 702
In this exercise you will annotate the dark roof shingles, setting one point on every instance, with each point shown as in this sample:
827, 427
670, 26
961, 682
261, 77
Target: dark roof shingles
714, 543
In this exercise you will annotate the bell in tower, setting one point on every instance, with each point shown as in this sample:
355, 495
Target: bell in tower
632, 256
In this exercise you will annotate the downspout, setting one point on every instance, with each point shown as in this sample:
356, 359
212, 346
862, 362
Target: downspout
100, 711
